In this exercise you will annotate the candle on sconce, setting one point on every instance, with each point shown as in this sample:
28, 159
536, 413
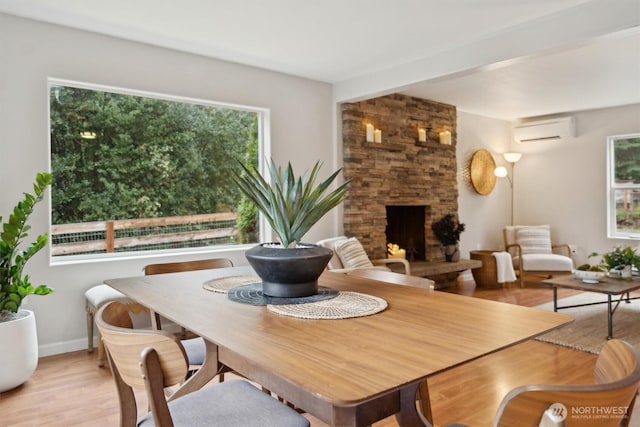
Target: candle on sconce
369, 132
422, 135
445, 137
377, 136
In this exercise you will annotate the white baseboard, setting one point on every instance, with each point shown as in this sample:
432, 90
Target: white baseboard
81, 343
63, 347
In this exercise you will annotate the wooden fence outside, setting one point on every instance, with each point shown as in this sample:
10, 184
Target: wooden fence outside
110, 243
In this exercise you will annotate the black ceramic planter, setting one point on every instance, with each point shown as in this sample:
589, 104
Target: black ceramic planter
289, 272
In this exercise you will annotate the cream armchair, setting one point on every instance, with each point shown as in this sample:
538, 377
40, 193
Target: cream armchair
349, 255
532, 252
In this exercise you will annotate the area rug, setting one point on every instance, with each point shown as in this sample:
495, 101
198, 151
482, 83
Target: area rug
588, 332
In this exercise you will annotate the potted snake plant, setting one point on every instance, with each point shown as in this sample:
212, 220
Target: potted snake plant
18, 339
292, 205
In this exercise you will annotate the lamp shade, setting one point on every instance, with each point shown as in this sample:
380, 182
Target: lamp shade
500, 171
512, 157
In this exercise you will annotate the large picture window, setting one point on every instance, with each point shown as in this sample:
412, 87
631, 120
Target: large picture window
623, 192
134, 171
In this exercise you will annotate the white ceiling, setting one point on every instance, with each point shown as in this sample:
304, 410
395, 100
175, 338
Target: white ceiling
507, 59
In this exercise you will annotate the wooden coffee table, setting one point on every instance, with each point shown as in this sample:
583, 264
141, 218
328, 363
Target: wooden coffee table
608, 286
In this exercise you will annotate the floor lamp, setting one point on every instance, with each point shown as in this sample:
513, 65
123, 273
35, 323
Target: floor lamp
502, 172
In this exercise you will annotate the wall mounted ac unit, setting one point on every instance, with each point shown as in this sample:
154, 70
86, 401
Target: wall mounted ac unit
544, 130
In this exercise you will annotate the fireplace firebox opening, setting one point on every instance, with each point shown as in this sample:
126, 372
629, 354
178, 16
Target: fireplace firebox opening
406, 228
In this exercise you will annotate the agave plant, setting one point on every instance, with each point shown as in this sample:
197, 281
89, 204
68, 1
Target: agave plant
14, 287
291, 205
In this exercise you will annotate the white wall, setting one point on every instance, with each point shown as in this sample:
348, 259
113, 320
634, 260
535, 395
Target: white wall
301, 131
564, 183
558, 183
483, 216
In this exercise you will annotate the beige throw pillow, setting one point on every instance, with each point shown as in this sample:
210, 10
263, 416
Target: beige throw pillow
534, 240
352, 254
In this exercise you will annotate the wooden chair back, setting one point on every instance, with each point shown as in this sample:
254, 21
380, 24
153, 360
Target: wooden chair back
124, 347
616, 382
175, 267
395, 278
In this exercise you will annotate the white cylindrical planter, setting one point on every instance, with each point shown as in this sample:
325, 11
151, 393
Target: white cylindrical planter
19, 350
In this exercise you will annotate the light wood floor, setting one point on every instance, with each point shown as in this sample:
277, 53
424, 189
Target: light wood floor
70, 390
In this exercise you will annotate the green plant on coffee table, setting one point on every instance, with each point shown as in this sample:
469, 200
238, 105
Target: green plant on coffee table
616, 260
589, 267
14, 286
619, 258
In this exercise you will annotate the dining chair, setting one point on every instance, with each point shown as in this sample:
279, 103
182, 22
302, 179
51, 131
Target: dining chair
532, 252
181, 266
156, 360
611, 396
176, 267
349, 255
99, 295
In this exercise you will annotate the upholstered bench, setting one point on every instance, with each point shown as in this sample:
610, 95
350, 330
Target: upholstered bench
95, 298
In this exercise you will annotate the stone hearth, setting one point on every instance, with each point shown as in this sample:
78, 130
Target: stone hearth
400, 171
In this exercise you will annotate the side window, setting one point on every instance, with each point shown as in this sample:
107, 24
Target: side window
623, 186
136, 171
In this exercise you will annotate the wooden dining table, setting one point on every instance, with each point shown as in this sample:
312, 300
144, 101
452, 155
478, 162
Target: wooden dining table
347, 372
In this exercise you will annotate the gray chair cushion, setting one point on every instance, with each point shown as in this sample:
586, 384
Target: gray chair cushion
231, 403
195, 350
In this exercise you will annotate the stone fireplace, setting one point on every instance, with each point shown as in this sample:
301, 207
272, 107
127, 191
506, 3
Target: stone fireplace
414, 180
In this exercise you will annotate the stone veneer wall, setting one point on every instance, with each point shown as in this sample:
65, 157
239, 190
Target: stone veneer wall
400, 170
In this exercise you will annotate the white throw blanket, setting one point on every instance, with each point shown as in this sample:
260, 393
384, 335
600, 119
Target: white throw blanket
504, 267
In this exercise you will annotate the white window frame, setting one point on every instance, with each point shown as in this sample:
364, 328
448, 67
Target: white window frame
264, 152
612, 186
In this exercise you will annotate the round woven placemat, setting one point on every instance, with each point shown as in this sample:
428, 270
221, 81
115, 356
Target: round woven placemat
252, 294
346, 305
224, 284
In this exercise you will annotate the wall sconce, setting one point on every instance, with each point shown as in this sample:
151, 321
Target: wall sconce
373, 135
501, 172
445, 137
